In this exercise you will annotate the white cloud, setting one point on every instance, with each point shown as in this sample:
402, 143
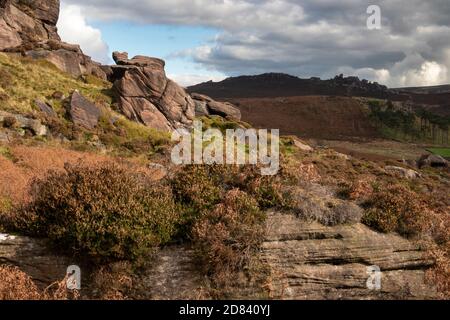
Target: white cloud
73, 28
186, 80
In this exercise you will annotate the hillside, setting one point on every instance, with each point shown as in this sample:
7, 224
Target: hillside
271, 85
317, 117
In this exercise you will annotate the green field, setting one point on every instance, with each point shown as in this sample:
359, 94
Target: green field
444, 152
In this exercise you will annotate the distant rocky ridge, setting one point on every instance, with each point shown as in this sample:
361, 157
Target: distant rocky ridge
29, 28
271, 85
274, 85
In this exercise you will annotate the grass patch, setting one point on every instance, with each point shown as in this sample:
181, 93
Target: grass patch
24, 80
6, 152
443, 152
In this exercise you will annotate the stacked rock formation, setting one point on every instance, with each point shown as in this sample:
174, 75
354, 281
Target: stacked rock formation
29, 28
146, 95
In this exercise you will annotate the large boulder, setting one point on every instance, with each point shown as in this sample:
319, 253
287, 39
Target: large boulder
146, 95
205, 105
432, 160
29, 28
83, 112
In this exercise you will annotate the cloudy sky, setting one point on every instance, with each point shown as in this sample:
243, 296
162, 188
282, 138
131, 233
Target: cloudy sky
211, 39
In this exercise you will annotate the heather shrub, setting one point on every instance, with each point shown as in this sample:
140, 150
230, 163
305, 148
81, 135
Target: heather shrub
199, 188
16, 285
103, 210
197, 192
313, 202
226, 237
395, 209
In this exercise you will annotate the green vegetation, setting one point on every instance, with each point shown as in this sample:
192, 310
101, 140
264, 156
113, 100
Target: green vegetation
216, 122
416, 126
6, 152
102, 210
443, 152
395, 209
24, 80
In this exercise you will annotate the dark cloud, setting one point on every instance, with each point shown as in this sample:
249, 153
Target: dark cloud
306, 37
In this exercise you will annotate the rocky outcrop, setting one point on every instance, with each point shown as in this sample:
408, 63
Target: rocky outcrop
26, 22
147, 96
205, 106
14, 121
83, 112
306, 261
432, 160
29, 28
311, 261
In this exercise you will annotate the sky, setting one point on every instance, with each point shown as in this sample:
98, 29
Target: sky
204, 40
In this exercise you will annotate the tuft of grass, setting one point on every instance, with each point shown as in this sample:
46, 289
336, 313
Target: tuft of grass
6, 152
216, 122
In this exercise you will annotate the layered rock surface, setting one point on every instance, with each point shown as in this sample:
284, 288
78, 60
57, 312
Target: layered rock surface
306, 261
29, 28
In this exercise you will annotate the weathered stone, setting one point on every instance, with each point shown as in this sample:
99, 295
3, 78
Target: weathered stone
58, 95
45, 108
174, 276
201, 97
201, 108
23, 22
311, 261
33, 257
83, 112
142, 110
74, 63
25, 123
223, 109
403, 172
432, 160
121, 58
302, 146
146, 94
